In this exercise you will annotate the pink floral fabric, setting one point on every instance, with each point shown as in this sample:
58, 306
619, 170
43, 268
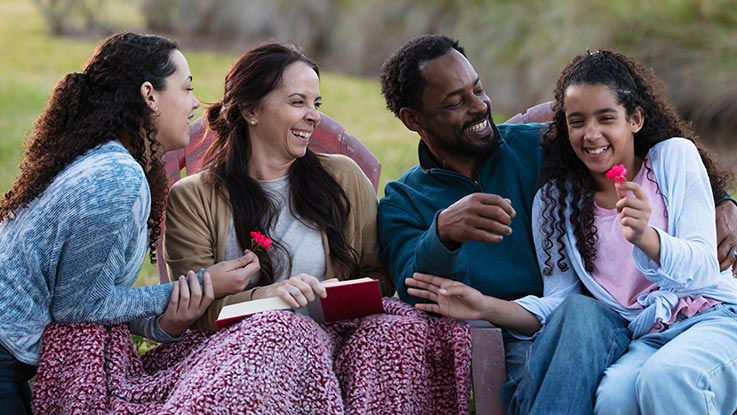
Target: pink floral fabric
401, 362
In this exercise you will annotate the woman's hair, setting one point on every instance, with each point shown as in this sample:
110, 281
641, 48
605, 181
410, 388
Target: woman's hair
315, 196
92, 107
566, 179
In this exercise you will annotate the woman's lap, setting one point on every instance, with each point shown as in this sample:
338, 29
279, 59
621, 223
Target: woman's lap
273, 362
405, 361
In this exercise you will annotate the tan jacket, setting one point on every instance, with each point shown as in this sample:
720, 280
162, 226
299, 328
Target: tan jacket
197, 219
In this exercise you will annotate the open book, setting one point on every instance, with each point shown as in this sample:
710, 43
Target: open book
345, 300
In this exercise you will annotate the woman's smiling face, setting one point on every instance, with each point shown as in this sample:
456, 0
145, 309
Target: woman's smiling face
283, 123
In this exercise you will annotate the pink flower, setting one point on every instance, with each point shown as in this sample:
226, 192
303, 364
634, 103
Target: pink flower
617, 173
259, 240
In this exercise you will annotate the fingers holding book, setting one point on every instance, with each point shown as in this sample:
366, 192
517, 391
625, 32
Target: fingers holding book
296, 291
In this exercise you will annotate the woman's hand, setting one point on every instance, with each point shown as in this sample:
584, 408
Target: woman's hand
634, 211
186, 303
230, 277
451, 298
296, 291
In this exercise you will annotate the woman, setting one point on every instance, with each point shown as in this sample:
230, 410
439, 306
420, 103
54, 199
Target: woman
87, 205
320, 211
644, 247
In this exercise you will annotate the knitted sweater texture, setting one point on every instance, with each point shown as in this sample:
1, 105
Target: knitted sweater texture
73, 253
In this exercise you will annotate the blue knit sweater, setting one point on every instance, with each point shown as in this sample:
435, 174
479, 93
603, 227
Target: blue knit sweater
73, 253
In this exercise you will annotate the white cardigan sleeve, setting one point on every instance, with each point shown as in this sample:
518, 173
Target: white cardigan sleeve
688, 253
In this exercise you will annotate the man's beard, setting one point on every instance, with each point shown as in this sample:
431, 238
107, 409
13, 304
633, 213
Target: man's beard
477, 148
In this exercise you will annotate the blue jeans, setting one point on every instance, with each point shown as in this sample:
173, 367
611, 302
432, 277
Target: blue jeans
559, 370
15, 394
690, 368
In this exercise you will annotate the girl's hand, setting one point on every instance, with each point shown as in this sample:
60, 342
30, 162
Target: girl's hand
451, 298
634, 211
186, 303
296, 291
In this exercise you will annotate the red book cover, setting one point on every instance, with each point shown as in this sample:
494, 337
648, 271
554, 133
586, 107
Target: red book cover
345, 300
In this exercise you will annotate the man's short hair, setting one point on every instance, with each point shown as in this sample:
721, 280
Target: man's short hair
401, 81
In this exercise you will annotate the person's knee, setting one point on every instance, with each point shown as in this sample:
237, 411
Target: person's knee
666, 379
608, 398
578, 307
615, 395
580, 310
579, 301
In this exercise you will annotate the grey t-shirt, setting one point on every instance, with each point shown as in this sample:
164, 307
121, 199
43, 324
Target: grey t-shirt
303, 243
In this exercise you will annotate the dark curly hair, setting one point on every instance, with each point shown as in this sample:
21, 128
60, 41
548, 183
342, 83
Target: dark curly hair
565, 175
401, 81
315, 196
92, 107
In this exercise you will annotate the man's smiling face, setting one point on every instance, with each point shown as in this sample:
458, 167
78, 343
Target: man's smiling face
455, 119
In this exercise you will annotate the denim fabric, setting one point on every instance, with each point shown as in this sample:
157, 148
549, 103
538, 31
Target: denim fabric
690, 368
15, 394
559, 370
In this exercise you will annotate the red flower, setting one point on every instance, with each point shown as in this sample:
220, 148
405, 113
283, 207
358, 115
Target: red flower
617, 173
259, 240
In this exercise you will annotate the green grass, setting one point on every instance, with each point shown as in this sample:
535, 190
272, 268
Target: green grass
32, 62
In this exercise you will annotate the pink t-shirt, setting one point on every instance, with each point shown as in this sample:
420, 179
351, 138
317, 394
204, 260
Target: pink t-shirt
614, 269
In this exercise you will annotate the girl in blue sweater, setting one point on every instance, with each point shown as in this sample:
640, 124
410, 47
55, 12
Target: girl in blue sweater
76, 224
643, 246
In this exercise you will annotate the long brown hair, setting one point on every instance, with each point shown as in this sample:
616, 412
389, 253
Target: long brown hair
315, 196
92, 107
564, 174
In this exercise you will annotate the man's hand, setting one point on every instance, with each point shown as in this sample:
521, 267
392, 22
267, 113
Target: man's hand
482, 217
727, 235
452, 298
457, 300
186, 303
230, 277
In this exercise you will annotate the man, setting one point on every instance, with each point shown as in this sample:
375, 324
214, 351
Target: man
464, 214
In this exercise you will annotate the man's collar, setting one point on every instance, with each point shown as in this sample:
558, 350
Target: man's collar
427, 160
